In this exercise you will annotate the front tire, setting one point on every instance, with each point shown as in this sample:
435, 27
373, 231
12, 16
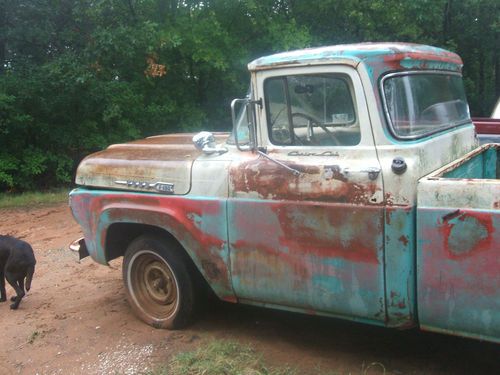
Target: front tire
159, 286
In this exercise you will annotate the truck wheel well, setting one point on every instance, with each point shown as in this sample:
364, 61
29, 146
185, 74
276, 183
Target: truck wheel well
120, 235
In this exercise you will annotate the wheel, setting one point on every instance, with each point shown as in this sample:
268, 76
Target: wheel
159, 286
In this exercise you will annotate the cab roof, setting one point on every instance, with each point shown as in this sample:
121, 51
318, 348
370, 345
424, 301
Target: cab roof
392, 55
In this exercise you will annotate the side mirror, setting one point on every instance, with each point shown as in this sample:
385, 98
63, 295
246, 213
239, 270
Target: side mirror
205, 141
245, 118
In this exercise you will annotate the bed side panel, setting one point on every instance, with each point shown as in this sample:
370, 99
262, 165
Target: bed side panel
458, 257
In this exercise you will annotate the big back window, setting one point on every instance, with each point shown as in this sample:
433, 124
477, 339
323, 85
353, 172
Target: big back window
313, 109
421, 104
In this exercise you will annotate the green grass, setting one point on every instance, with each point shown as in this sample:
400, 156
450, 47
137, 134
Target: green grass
220, 358
9, 200
33, 337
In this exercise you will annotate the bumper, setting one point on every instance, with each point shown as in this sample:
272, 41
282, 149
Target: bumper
80, 247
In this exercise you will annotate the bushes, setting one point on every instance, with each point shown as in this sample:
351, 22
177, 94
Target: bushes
77, 75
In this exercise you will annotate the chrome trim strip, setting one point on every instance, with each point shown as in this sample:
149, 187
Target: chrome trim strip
162, 187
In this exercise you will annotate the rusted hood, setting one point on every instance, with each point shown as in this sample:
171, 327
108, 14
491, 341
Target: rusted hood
141, 164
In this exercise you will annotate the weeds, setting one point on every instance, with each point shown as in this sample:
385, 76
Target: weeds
220, 358
33, 337
10, 200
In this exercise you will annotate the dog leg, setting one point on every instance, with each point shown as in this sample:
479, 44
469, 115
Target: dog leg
13, 281
21, 285
3, 294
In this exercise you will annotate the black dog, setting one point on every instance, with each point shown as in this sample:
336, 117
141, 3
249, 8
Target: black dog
17, 262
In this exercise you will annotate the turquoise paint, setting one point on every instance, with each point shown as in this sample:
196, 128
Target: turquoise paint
309, 256
316, 313
213, 256
458, 280
400, 266
472, 168
353, 53
491, 164
328, 284
412, 64
480, 166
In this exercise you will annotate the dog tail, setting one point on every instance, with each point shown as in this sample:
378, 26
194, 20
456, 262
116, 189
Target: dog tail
29, 277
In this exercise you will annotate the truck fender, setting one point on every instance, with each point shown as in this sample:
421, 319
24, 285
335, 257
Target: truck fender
198, 225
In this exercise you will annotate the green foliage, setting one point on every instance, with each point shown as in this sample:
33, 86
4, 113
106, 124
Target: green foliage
220, 357
77, 75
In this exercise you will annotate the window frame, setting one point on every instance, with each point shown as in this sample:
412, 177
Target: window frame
347, 80
386, 108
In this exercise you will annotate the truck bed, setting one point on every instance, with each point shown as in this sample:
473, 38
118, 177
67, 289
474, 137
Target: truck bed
458, 249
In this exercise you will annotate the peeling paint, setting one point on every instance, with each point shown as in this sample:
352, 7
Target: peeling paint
198, 224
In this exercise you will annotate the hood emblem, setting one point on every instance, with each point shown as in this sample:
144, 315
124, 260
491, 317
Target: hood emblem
162, 187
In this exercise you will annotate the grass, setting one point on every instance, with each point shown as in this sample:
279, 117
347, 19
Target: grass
33, 337
220, 358
10, 200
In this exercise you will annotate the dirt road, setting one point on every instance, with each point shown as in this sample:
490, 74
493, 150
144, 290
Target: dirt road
76, 320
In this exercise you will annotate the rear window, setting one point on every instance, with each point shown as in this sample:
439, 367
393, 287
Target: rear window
420, 104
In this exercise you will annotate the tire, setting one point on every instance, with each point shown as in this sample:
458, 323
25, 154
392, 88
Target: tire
159, 286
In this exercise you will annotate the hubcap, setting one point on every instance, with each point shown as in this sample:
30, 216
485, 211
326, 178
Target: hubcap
158, 282
153, 285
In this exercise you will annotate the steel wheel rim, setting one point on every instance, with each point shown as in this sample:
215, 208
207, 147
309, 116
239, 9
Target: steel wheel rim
152, 285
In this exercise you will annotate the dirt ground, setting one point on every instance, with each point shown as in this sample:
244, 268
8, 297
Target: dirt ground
76, 320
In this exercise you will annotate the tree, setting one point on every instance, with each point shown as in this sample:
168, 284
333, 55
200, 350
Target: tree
77, 75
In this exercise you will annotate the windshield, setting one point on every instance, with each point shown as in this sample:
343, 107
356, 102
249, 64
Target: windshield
422, 104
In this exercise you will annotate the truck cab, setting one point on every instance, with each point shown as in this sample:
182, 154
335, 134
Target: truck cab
309, 205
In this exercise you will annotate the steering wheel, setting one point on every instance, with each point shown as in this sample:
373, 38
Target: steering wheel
310, 126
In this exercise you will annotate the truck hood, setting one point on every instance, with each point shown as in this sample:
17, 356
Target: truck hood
156, 164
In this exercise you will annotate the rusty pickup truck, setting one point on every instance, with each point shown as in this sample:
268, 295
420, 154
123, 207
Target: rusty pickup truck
351, 186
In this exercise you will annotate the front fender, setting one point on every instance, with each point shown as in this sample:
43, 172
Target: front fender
198, 224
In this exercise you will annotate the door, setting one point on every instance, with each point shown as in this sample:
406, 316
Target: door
306, 219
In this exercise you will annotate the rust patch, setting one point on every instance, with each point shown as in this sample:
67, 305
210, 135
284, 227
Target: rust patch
271, 181
180, 216
404, 240
326, 232
211, 269
334, 172
467, 233
451, 215
397, 301
309, 169
268, 263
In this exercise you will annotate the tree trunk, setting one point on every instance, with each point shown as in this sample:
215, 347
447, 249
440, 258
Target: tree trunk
447, 21
3, 32
496, 57
481, 83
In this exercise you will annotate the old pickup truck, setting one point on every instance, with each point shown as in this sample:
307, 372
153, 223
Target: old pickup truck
351, 186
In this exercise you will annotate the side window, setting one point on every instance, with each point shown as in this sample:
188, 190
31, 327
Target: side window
313, 110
